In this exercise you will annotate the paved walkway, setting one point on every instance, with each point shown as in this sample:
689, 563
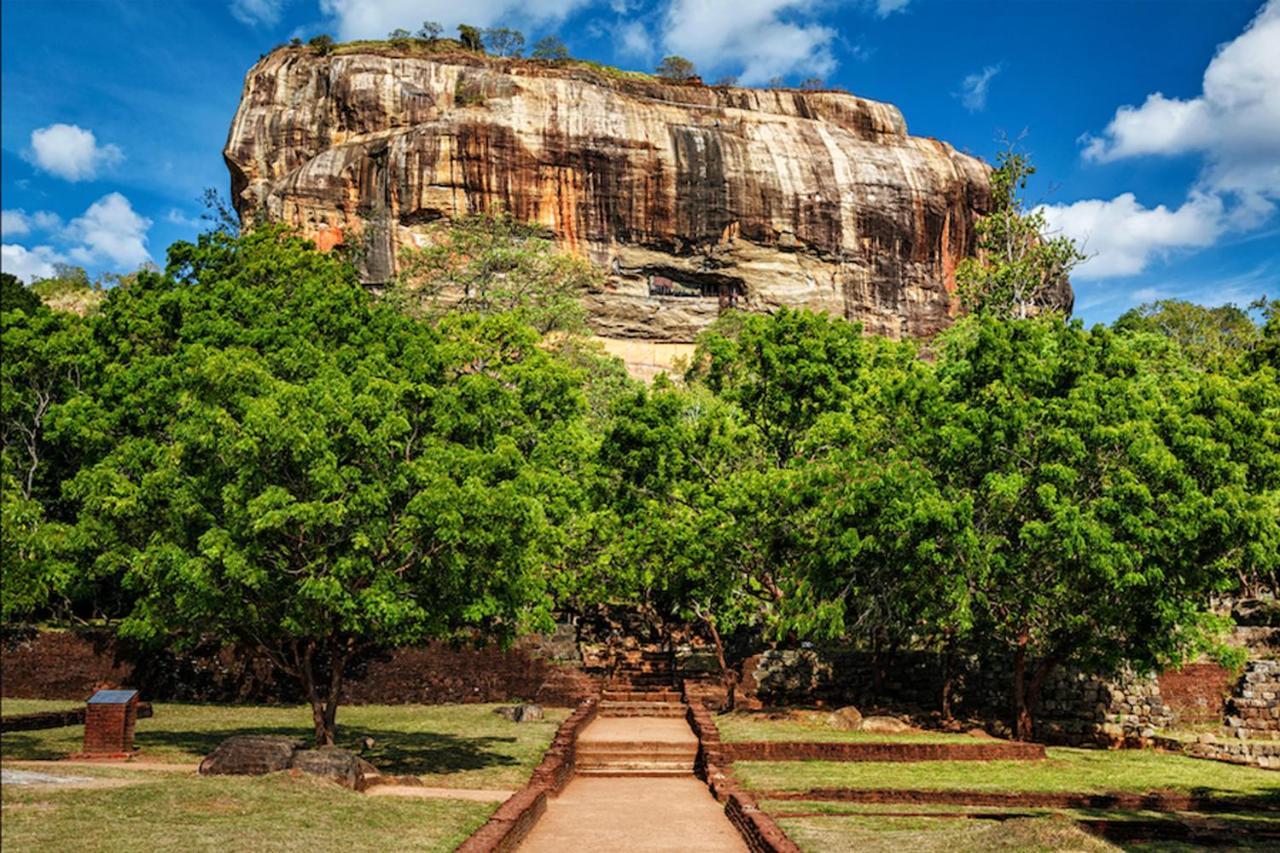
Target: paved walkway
636, 814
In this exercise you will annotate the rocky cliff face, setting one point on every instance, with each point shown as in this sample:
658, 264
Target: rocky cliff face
693, 198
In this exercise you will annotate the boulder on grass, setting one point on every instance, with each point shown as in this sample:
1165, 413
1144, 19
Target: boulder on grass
884, 725
525, 713
337, 765
250, 755
846, 719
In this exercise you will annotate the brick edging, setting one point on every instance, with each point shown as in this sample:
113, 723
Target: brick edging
508, 826
844, 751
760, 831
1155, 801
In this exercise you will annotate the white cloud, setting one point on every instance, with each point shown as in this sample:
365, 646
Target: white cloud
355, 19
973, 89
70, 152
18, 223
177, 217
29, 264
257, 12
1234, 123
885, 8
761, 37
633, 40
110, 231
14, 223
1121, 236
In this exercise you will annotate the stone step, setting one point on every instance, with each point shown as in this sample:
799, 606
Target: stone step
624, 749
642, 709
622, 680
679, 766
656, 772
623, 695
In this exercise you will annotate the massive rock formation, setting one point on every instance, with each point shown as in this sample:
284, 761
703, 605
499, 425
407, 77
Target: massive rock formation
693, 198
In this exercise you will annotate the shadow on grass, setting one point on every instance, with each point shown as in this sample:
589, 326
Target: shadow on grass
395, 752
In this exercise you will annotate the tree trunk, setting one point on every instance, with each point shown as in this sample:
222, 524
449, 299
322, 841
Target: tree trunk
726, 676
1026, 693
1022, 723
323, 699
948, 679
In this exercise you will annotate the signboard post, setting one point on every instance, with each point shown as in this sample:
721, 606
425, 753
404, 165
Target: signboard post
109, 720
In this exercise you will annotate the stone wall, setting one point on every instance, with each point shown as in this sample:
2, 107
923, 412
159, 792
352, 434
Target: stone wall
1253, 710
1075, 708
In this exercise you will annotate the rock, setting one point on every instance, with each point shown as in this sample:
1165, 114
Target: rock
884, 725
250, 755
525, 713
691, 198
338, 765
846, 719
979, 733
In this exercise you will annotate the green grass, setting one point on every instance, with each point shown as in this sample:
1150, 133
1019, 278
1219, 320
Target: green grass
1065, 770
874, 827
755, 727
459, 746
229, 814
929, 835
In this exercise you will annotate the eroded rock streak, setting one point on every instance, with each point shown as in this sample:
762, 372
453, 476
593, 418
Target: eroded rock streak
693, 198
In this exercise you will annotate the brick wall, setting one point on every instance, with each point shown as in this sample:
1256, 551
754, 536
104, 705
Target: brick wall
72, 664
1198, 692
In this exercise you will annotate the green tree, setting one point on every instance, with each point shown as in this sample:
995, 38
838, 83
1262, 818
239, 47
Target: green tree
471, 38
550, 48
503, 41
676, 69
1109, 496
322, 44
49, 360
1019, 268
1209, 336
16, 296
301, 469
430, 31
497, 264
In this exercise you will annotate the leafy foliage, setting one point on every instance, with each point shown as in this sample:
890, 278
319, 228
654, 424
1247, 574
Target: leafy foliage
503, 41
471, 38
496, 264
1019, 266
676, 69
550, 48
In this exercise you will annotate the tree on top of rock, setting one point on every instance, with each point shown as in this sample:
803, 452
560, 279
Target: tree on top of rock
550, 48
470, 38
676, 68
503, 41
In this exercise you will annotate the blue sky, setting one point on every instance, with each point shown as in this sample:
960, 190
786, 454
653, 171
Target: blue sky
1155, 124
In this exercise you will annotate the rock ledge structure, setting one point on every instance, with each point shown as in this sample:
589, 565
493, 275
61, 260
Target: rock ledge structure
693, 198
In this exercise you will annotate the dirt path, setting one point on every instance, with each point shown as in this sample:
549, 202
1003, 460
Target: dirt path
637, 815
630, 812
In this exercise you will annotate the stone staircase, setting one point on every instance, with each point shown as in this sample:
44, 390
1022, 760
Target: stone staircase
636, 746
641, 729
642, 685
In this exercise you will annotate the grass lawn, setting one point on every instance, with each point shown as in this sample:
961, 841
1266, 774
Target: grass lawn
927, 835
458, 746
884, 828
188, 813
751, 727
1065, 770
